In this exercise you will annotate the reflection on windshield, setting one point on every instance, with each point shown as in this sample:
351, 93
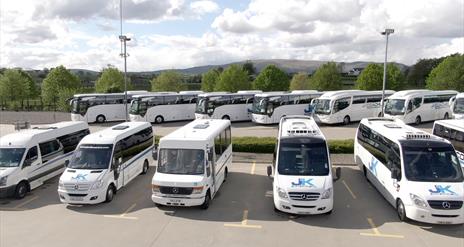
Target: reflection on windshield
459, 106
395, 106
91, 157
322, 106
182, 161
427, 164
300, 157
11, 157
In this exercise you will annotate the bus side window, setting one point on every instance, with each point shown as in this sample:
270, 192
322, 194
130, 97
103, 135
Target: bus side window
31, 156
417, 102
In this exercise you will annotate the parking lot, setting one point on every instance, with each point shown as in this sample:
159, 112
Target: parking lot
241, 215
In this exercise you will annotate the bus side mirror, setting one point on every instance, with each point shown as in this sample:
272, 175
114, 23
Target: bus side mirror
395, 173
338, 174
269, 171
154, 152
66, 163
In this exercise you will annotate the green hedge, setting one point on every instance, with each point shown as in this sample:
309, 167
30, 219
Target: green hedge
267, 144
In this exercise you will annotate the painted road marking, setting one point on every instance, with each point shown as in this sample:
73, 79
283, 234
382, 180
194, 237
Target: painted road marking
377, 232
349, 190
123, 215
25, 202
253, 168
244, 223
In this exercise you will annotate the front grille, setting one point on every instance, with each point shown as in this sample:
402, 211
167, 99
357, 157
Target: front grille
444, 216
78, 195
299, 206
445, 205
304, 196
176, 190
80, 187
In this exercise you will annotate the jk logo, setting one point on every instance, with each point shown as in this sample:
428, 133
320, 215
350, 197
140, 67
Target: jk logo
440, 190
303, 183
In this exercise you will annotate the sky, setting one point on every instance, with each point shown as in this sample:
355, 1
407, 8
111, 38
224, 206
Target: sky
175, 34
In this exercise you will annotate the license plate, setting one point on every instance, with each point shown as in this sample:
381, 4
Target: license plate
74, 198
303, 212
174, 200
444, 222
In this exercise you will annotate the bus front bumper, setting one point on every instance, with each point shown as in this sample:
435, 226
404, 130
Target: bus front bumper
7, 191
434, 216
177, 201
316, 207
91, 197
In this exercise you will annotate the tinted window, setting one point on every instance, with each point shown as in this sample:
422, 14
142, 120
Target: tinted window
32, 154
217, 146
341, 104
359, 100
136, 143
377, 145
374, 99
303, 156
71, 141
49, 147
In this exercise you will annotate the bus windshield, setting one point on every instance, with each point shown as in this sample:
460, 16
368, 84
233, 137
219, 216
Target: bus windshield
11, 157
201, 105
322, 106
395, 106
459, 106
263, 105
78, 106
91, 157
138, 107
303, 157
181, 161
429, 163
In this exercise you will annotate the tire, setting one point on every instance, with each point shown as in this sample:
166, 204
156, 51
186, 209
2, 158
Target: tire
401, 211
346, 120
159, 119
446, 116
207, 201
225, 174
365, 172
145, 167
225, 117
418, 120
100, 119
21, 190
110, 193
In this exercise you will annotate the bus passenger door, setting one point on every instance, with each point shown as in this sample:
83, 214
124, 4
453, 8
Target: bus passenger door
117, 167
211, 171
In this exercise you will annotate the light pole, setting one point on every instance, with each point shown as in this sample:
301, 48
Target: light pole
124, 39
387, 32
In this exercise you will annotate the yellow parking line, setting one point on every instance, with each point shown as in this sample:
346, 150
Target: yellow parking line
349, 190
123, 215
25, 202
244, 223
128, 210
377, 232
253, 167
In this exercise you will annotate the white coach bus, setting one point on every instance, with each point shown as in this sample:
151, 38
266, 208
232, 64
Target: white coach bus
230, 106
348, 105
418, 174
159, 108
30, 157
417, 106
193, 163
453, 131
105, 161
457, 106
302, 181
270, 107
100, 108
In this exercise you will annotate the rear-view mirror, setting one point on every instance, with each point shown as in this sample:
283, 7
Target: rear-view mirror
269, 171
154, 152
66, 163
395, 173
337, 174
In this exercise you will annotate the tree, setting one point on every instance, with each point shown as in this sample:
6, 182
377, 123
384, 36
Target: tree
449, 74
300, 81
232, 79
272, 78
32, 91
371, 78
111, 81
418, 73
13, 86
168, 81
327, 78
250, 69
57, 80
209, 80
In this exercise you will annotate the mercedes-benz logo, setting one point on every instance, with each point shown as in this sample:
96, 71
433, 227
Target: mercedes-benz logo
303, 196
76, 187
446, 205
175, 190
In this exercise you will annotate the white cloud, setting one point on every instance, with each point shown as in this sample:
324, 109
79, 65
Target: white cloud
204, 7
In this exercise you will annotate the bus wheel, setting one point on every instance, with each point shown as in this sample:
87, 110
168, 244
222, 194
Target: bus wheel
21, 190
346, 120
145, 167
226, 117
446, 116
159, 119
100, 119
418, 120
401, 211
110, 193
205, 204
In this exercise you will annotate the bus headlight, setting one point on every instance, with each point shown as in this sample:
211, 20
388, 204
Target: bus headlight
197, 190
3, 180
327, 194
418, 201
155, 188
282, 193
97, 185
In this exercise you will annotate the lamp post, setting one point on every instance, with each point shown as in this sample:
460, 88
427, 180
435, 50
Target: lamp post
387, 32
124, 54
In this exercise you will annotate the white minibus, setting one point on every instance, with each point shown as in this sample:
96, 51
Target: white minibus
105, 161
100, 107
30, 157
193, 163
230, 106
453, 131
457, 106
417, 106
302, 180
269, 107
159, 108
418, 174
347, 106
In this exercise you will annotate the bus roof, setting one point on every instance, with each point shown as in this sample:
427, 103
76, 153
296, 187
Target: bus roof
299, 126
395, 129
422, 92
457, 124
218, 94
348, 93
273, 94
460, 95
41, 133
198, 130
115, 133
